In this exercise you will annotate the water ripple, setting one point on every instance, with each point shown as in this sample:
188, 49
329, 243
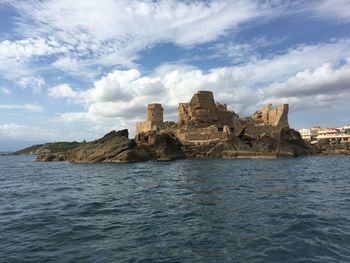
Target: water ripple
283, 210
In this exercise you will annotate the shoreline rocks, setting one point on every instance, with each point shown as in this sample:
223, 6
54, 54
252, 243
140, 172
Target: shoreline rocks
117, 147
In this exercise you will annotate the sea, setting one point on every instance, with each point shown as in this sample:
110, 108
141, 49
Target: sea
209, 210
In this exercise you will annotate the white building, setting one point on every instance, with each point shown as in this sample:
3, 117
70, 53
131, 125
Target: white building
345, 129
332, 135
308, 134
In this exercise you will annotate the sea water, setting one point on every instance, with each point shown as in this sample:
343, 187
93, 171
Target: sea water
280, 210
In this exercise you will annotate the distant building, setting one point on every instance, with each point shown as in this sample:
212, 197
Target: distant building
332, 135
345, 129
327, 132
309, 134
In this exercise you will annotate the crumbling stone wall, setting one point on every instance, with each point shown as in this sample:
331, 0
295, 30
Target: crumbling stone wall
145, 126
207, 134
202, 111
269, 116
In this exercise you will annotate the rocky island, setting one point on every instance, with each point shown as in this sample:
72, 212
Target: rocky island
206, 129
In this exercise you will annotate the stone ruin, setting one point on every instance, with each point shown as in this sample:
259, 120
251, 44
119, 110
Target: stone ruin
269, 116
202, 111
154, 120
203, 120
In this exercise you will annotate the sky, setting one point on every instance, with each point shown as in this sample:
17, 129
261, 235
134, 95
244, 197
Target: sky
74, 70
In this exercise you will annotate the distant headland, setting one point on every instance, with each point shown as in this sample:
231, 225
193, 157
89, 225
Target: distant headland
205, 129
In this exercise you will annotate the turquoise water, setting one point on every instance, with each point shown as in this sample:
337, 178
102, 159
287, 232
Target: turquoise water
282, 210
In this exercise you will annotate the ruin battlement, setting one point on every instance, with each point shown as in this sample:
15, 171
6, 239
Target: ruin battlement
204, 120
202, 111
270, 116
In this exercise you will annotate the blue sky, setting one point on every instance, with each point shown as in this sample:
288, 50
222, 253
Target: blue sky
74, 70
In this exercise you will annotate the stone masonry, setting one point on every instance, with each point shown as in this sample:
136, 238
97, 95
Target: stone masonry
202, 120
202, 111
269, 116
154, 119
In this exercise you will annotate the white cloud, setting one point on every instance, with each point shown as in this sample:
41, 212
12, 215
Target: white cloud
321, 87
35, 83
17, 59
4, 91
295, 77
114, 87
83, 35
28, 48
90, 32
28, 107
338, 9
12, 129
63, 91
76, 116
66, 64
28, 132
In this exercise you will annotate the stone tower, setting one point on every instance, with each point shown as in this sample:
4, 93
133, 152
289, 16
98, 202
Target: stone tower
154, 119
155, 113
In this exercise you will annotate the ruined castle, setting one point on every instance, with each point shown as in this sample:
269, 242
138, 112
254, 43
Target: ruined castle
202, 119
269, 116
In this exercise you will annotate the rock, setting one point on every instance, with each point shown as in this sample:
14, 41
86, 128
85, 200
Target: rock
133, 155
51, 157
117, 147
325, 148
291, 143
105, 149
162, 146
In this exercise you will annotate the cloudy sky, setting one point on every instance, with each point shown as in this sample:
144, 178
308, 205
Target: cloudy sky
74, 70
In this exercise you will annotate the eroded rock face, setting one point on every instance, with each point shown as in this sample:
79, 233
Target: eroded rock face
117, 147
326, 148
285, 142
202, 111
162, 146
106, 149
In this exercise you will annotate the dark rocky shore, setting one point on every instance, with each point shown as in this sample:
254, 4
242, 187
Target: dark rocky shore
117, 147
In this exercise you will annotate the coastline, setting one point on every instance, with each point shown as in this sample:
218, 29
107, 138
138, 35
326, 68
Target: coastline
116, 147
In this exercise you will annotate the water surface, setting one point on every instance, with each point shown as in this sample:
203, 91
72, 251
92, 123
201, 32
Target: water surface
281, 210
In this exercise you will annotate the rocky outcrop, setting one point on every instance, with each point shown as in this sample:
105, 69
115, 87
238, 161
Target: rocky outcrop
248, 143
161, 146
117, 147
34, 149
326, 148
285, 142
205, 129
